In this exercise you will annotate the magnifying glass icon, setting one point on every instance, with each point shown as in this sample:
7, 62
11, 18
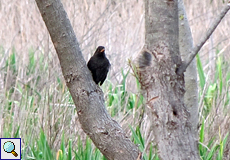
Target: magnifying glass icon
9, 147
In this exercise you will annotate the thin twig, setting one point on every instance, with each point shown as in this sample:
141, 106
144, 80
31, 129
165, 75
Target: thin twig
197, 48
204, 146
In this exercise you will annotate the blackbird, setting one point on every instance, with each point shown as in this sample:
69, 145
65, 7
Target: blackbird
99, 65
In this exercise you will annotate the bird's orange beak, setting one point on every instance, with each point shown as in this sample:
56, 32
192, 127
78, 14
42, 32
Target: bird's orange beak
102, 50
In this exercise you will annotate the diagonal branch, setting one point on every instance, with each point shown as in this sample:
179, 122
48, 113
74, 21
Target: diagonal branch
88, 98
197, 48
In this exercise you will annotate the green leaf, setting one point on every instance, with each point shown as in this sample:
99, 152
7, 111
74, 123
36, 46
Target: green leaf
219, 68
202, 132
62, 147
16, 134
200, 72
69, 156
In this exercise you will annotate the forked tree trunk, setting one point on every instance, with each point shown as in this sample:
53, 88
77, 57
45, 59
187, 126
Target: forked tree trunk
163, 89
106, 133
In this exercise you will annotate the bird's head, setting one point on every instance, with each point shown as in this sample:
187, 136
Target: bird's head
100, 50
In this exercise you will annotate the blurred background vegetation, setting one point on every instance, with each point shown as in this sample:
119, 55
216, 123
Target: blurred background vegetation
36, 106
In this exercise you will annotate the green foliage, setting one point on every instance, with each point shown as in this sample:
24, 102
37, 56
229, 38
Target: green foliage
200, 72
40, 149
11, 62
16, 134
119, 100
32, 63
30, 105
219, 72
214, 91
89, 152
213, 148
215, 96
139, 140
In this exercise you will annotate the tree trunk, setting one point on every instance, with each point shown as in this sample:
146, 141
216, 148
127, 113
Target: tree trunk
163, 89
106, 133
186, 47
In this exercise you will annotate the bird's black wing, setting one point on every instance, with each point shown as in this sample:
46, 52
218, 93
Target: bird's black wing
93, 67
102, 72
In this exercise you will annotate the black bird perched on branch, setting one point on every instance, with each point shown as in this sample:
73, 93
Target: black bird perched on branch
99, 65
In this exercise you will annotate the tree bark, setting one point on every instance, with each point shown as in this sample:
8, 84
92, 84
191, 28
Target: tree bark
191, 86
163, 89
106, 133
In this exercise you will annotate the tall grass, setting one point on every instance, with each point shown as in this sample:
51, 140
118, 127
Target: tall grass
214, 109
37, 107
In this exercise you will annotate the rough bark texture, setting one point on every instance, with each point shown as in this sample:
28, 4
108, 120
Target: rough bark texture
106, 133
186, 46
163, 88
